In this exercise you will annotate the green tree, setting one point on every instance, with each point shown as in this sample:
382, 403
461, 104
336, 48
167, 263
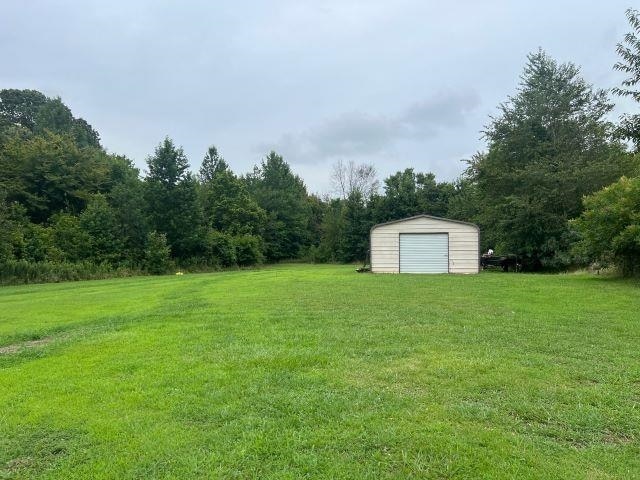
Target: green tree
629, 52
356, 228
73, 242
226, 203
283, 196
433, 196
37, 244
408, 193
248, 250
54, 116
21, 106
84, 134
550, 146
332, 228
212, 164
38, 114
12, 222
128, 202
464, 202
157, 254
400, 198
220, 249
610, 226
100, 223
49, 174
172, 200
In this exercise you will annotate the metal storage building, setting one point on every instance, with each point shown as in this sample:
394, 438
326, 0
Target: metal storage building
425, 244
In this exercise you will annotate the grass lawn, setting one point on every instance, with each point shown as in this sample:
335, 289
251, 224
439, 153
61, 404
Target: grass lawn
304, 371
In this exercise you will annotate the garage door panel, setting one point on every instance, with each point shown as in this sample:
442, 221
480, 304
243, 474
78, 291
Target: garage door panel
424, 253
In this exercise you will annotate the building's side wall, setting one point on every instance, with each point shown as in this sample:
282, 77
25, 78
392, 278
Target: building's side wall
463, 244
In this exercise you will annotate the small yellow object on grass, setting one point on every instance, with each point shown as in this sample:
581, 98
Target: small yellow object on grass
179, 273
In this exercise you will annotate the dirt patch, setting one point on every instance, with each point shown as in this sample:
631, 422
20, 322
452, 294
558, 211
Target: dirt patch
613, 438
19, 464
17, 347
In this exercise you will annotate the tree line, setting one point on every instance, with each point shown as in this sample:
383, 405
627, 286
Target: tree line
558, 185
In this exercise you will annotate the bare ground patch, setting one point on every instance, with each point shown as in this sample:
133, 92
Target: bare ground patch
18, 347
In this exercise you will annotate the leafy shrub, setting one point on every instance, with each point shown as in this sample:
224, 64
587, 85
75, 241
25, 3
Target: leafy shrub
23, 271
610, 226
157, 254
220, 250
69, 237
248, 250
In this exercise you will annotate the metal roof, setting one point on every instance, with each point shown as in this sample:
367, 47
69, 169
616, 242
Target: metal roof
425, 216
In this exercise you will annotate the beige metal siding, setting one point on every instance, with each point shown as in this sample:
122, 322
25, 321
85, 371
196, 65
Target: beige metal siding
463, 243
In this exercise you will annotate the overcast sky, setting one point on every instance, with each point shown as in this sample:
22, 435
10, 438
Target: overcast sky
396, 83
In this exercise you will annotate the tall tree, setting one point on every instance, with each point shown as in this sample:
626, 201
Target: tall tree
356, 228
49, 173
100, 223
331, 248
21, 106
226, 203
283, 196
127, 199
38, 114
629, 52
550, 146
212, 164
172, 199
408, 193
12, 221
400, 197
350, 177
433, 197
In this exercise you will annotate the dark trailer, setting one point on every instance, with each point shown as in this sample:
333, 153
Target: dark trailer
505, 262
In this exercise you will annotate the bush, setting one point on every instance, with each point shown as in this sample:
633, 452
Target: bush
69, 237
157, 254
23, 271
220, 250
248, 250
610, 226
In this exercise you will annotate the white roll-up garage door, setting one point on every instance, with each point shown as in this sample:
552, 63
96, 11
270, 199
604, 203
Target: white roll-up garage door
424, 253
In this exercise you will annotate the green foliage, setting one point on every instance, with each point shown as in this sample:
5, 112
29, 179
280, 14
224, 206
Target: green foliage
331, 247
629, 52
157, 254
220, 249
171, 197
168, 166
128, 203
284, 198
39, 114
21, 106
550, 146
248, 250
100, 223
357, 224
72, 240
226, 203
25, 271
408, 193
212, 164
610, 226
37, 244
12, 222
49, 174
464, 202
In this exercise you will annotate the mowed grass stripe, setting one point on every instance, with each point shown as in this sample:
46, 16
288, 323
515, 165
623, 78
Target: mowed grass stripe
304, 371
